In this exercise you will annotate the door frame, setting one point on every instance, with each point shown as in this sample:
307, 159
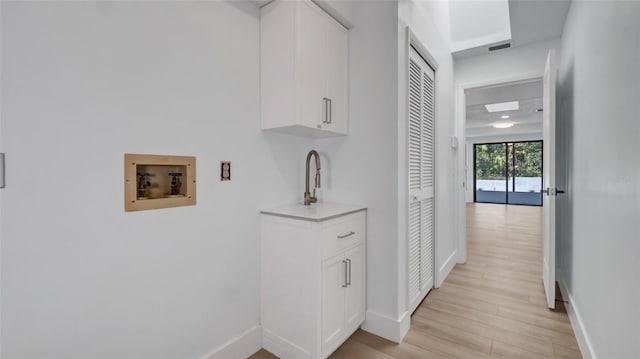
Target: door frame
506, 143
460, 135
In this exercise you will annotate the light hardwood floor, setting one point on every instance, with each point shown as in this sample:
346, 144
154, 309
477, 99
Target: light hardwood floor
491, 307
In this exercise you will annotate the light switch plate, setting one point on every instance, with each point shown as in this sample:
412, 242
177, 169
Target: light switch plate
454, 142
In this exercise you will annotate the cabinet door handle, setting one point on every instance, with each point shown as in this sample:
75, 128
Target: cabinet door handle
326, 110
346, 235
330, 111
346, 269
349, 280
2, 170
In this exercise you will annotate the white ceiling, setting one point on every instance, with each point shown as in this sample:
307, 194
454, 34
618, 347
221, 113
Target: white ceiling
533, 21
260, 3
478, 23
530, 20
527, 120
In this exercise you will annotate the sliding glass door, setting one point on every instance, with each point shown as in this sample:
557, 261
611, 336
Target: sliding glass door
527, 173
490, 172
508, 173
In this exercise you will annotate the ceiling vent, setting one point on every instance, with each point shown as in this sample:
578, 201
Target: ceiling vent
500, 47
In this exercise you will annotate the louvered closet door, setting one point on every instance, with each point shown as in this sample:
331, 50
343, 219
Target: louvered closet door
421, 177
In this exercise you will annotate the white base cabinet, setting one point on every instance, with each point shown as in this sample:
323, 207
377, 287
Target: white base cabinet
313, 283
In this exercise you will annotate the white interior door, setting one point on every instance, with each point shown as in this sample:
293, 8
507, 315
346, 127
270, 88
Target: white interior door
421, 130
549, 188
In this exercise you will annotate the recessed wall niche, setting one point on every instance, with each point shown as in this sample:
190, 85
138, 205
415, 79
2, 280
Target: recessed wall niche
157, 181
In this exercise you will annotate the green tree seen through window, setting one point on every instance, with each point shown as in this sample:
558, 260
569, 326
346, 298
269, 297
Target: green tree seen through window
492, 159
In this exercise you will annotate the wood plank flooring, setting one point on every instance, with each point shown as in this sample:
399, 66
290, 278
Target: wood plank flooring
491, 307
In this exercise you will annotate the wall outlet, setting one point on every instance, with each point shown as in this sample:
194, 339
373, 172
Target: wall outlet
225, 170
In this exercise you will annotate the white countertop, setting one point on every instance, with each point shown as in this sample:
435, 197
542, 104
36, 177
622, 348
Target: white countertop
316, 212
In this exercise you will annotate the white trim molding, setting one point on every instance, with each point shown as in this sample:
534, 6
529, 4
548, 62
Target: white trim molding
386, 327
445, 269
242, 346
586, 348
460, 123
282, 347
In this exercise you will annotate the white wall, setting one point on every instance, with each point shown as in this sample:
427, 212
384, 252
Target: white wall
360, 168
487, 139
425, 20
523, 61
598, 132
83, 83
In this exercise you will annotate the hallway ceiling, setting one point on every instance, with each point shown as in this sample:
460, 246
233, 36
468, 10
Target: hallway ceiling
527, 120
260, 3
531, 21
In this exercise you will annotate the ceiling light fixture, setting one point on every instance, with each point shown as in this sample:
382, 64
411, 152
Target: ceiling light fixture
503, 124
503, 106
504, 116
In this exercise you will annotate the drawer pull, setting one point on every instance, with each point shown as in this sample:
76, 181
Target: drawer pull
347, 235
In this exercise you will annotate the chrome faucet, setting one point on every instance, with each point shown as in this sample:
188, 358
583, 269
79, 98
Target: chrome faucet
308, 198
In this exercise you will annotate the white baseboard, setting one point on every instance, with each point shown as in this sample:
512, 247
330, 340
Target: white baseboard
386, 327
281, 347
586, 348
240, 347
461, 257
445, 268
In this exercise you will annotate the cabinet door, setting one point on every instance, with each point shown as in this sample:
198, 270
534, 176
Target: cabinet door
337, 79
354, 292
310, 54
334, 277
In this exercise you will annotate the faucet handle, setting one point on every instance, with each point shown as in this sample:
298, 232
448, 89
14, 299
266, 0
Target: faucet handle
308, 198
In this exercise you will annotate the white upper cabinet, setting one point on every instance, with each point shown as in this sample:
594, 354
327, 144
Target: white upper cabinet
304, 70
337, 77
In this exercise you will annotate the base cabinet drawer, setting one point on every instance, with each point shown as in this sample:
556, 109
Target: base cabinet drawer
342, 233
